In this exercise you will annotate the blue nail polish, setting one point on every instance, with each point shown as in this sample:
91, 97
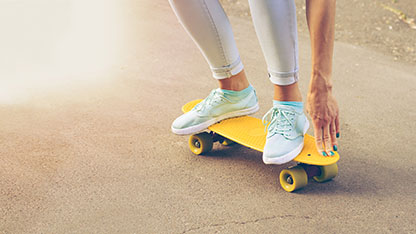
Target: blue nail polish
337, 134
331, 153
335, 148
324, 154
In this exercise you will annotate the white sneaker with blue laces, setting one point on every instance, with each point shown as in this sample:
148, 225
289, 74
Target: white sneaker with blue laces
219, 105
285, 133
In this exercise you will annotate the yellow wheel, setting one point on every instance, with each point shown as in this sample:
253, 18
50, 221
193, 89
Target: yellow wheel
293, 178
227, 142
200, 143
327, 173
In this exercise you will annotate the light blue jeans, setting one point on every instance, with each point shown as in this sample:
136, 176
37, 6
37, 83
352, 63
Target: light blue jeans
275, 25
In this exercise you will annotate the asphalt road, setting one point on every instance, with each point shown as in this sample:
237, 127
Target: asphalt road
86, 147
386, 26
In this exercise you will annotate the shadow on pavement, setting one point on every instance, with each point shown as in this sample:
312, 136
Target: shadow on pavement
356, 177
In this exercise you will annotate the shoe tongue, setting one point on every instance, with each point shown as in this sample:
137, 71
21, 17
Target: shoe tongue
287, 109
281, 107
220, 91
229, 96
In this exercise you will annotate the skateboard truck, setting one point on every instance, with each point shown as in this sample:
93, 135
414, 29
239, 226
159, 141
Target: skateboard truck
222, 140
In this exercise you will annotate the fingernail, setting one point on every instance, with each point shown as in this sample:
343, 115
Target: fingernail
335, 148
331, 153
324, 154
337, 134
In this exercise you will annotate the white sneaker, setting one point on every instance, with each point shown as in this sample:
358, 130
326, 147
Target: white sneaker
285, 133
216, 107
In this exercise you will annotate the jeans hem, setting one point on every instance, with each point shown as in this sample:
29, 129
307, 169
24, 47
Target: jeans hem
284, 78
224, 73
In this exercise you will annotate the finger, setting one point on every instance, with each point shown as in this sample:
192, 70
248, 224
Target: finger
337, 127
318, 139
332, 131
327, 140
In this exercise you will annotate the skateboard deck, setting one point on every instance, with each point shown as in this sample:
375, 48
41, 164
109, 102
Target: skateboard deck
250, 132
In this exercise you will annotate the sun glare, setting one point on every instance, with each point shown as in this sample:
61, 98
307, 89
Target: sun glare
50, 45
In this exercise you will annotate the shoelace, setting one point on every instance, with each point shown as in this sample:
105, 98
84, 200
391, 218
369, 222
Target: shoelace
279, 121
213, 98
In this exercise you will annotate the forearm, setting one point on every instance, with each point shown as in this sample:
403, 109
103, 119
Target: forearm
320, 16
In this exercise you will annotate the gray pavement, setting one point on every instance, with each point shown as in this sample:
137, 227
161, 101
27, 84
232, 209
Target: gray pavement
99, 157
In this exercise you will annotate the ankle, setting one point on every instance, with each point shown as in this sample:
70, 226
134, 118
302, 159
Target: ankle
289, 93
237, 82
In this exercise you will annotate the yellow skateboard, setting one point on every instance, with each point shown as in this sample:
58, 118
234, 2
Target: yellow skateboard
249, 131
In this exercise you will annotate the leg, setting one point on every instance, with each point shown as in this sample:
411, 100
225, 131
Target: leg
207, 24
275, 25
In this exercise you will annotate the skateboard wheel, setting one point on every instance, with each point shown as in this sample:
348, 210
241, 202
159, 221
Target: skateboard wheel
227, 142
327, 173
200, 143
293, 178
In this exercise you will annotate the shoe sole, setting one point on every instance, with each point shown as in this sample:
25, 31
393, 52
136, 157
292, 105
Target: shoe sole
202, 126
289, 156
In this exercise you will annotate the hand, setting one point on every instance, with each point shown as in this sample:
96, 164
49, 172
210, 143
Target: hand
323, 110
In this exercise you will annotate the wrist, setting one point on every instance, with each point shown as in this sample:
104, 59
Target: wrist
320, 83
